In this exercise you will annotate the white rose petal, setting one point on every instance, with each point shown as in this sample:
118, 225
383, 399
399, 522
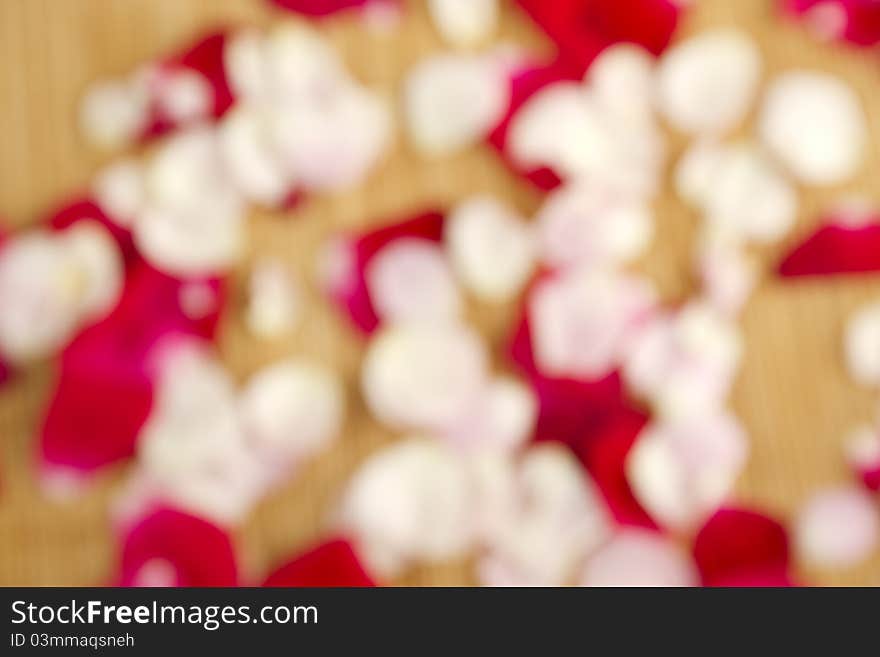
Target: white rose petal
119, 191
252, 165
292, 410
113, 113
622, 78
184, 96
453, 101
582, 321
638, 557
862, 345
706, 84
332, 141
557, 519
274, 300
40, 296
408, 503
464, 23
682, 471
100, 267
814, 123
592, 226
837, 527
491, 248
411, 280
422, 376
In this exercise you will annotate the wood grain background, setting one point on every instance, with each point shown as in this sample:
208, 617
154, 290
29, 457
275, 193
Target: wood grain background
793, 393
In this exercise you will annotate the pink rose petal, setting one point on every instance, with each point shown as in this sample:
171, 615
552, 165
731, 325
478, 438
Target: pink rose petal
583, 28
742, 548
177, 549
636, 557
333, 563
347, 284
855, 21
104, 393
837, 527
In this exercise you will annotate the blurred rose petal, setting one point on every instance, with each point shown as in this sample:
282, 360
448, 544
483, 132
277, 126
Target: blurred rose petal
171, 548
347, 259
206, 59
837, 247
333, 563
86, 209
855, 21
104, 393
583, 28
636, 557
863, 456
742, 548
837, 527
318, 7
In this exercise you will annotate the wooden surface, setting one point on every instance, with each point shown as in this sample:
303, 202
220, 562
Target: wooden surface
793, 393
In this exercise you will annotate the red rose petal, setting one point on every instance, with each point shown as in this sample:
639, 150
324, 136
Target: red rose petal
351, 292
569, 410
742, 548
104, 393
594, 419
333, 563
317, 7
205, 57
524, 84
199, 553
85, 209
604, 455
860, 24
583, 28
836, 248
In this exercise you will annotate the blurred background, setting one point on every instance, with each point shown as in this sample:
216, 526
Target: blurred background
793, 394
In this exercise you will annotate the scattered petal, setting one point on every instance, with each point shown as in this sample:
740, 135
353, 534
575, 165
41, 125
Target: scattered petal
814, 123
582, 322
410, 279
862, 345
424, 376
742, 548
491, 248
638, 557
274, 302
410, 502
554, 520
344, 263
178, 550
453, 101
583, 28
464, 23
593, 227
854, 21
837, 527
837, 247
863, 456
681, 472
706, 84
329, 564
292, 410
